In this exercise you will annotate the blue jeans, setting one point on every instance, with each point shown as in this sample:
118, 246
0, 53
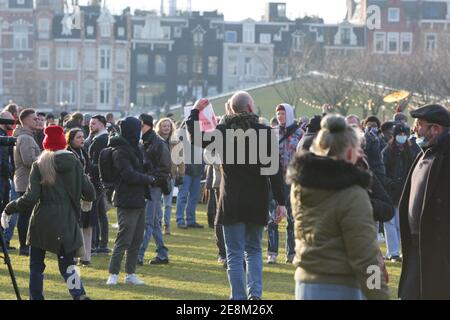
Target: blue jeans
244, 241
167, 200
153, 216
392, 235
318, 291
189, 194
13, 195
273, 235
37, 267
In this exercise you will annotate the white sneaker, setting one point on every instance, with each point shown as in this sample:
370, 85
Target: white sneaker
112, 279
271, 259
133, 279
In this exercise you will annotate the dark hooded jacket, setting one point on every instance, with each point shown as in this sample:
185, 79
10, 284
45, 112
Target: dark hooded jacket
133, 184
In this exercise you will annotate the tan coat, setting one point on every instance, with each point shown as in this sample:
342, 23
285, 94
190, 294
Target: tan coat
26, 152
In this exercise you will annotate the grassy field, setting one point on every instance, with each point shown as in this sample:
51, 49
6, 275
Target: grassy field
193, 272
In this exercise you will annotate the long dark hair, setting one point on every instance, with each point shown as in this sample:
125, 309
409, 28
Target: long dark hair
406, 155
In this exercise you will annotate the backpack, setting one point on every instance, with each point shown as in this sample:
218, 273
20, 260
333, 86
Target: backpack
108, 173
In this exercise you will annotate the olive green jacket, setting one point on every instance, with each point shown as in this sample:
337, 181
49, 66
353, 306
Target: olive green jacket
54, 224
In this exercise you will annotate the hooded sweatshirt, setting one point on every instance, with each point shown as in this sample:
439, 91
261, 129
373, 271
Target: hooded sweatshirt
288, 146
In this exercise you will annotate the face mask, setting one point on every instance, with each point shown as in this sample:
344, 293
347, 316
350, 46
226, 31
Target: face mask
374, 131
422, 142
401, 139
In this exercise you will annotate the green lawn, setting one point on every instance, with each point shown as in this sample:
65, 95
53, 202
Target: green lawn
193, 272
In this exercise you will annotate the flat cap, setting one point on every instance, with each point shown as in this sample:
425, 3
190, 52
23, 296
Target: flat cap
433, 113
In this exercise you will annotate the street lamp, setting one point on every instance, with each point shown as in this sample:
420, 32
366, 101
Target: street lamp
131, 107
383, 109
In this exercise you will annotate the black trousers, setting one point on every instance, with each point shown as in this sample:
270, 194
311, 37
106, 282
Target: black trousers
22, 227
100, 235
410, 288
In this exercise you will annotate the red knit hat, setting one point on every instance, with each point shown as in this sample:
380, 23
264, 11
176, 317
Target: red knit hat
54, 139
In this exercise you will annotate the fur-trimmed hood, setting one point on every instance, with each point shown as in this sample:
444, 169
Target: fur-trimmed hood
311, 171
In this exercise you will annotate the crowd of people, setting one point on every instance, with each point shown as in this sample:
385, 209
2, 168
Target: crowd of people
343, 185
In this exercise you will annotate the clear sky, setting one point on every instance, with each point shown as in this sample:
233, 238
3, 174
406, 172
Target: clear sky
236, 10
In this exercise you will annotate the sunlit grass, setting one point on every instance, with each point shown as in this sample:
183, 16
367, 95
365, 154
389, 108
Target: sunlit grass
193, 272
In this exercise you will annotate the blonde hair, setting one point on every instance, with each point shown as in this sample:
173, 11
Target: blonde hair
46, 165
158, 126
335, 137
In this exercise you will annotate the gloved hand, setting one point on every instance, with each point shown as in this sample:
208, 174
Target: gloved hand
5, 220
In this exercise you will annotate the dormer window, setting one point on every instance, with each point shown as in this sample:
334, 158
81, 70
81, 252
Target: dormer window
121, 32
198, 34
90, 31
105, 30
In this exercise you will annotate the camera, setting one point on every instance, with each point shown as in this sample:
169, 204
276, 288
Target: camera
7, 141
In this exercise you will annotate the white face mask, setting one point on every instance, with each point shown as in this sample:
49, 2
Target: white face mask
401, 139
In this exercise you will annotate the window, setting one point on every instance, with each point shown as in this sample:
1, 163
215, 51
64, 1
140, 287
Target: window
182, 65
345, 36
393, 39
406, 43
213, 67
281, 8
20, 38
249, 33
65, 91
160, 65
43, 92
248, 71
105, 59
394, 14
121, 60
89, 91
105, 92
44, 58
430, 42
265, 38
121, 32
166, 33
105, 30
231, 36
380, 42
142, 64
66, 59
298, 42
197, 66
232, 66
44, 28
137, 31
90, 31
198, 39
89, 59
177, 32
120, 93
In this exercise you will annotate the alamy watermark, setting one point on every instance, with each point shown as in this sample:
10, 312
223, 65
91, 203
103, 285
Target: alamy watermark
232, 147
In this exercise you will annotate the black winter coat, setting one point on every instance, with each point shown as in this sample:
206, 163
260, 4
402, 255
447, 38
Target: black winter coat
157, 161
132, 186
244, 192
97, 145
434, 241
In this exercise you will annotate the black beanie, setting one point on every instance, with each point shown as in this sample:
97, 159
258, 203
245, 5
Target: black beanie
146, 119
